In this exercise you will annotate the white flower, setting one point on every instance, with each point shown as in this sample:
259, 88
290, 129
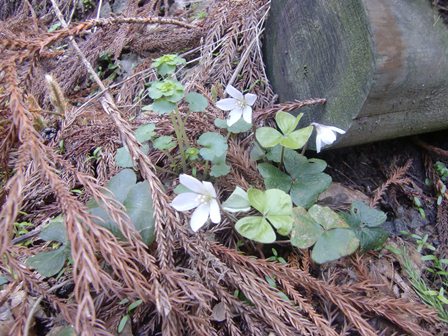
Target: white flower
239, 105
202, 197
325, 135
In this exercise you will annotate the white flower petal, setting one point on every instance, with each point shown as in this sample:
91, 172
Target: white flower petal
185, 201
318, 143
200, 216
210, 189
234, 116
250, 98
215, 212
227, 104
234, 93
192, 183
247, 114
327, 136
335, 129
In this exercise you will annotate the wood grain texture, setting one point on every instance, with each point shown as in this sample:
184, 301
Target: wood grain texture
381, 64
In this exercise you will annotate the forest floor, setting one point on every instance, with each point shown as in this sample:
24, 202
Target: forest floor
56, 156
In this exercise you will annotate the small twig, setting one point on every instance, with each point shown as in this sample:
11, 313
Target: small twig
30, 317
430, 148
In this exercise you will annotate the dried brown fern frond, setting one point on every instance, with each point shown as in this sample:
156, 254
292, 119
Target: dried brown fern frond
397, 176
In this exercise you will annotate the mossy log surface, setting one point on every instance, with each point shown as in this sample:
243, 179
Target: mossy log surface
382, 65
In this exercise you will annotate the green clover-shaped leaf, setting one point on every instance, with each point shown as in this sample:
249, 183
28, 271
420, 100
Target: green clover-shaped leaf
306, 231
286, 122
334, 244
256, 228
289, 137
366, 223
305, 179
49, 263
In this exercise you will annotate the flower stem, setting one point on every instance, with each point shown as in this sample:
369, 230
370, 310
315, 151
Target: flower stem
180, 140
282, 157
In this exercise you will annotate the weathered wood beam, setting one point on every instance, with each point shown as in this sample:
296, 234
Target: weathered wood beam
381, 64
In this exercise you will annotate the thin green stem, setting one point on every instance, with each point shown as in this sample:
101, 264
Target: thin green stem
282, 156
180, 141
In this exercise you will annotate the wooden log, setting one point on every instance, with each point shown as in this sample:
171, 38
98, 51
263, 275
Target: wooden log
381, 64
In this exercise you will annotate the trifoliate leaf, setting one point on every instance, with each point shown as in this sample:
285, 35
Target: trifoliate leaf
214, 146
297, 139
305, 231
237, 201
256, 228
196, 102
286, 122
268, 137
257, 153
326, 217
308, 180
274, 177
368, 216
120, 184
334, 244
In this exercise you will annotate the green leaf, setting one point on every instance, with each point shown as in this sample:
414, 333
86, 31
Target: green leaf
297, 139
55, 231
239, 127
120, 184
134, 305
67, 331
278, 210
257, 152
122, 323
308, 181
287, 122
238, 201
196, 102
274, 177
268, 136
137, 202
139, 207
275, 205
326, 217
368, 216
305, 231
256, 228
123, 158
334, 244
165, 142
219, 169
370, 238
257, 199
162, 106
215, 146
306, 190
49, 263
145, 132
3, 280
